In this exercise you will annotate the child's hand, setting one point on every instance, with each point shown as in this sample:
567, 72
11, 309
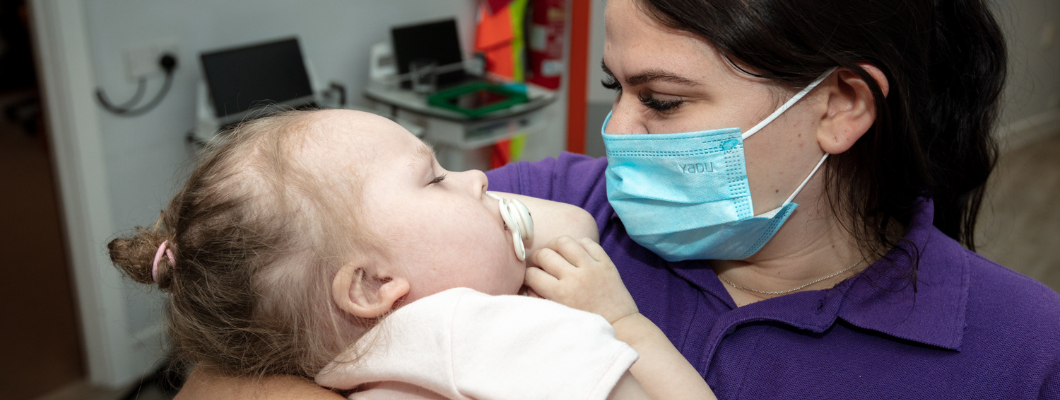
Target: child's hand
579, 274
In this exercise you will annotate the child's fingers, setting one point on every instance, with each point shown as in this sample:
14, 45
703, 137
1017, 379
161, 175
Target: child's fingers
551, 262
594, 250
530, 292
539, 281
571, 250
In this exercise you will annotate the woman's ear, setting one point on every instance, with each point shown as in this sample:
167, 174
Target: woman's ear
851, 109
365, 293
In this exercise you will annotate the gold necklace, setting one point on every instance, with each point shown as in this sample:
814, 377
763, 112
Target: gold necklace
791, 290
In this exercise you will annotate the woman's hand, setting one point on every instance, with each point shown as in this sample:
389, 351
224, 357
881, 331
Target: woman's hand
579, 274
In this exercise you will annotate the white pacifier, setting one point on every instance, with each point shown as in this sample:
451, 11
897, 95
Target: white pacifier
517, 217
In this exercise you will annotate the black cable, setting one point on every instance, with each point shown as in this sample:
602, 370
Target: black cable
141, 85
168, 62
151, 104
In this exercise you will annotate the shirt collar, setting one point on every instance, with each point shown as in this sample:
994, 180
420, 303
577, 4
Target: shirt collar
884, 298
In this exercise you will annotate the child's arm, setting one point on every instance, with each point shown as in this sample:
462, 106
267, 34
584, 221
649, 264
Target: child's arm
579, 274
553, 219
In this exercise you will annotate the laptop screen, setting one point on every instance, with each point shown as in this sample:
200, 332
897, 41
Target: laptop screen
245, 78
436, 41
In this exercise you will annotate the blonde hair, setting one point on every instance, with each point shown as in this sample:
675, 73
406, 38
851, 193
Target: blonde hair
257, 239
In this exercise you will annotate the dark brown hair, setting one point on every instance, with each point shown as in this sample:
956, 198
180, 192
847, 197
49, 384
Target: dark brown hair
945, 63
252, 231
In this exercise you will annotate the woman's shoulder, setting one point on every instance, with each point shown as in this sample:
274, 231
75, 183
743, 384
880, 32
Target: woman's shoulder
1009, 292
991, 291
1015, 315
1011, 323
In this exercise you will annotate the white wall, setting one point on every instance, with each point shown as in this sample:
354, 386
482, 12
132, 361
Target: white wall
600, 99
597, 93
144, 155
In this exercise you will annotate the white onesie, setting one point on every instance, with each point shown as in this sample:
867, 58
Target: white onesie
462, 344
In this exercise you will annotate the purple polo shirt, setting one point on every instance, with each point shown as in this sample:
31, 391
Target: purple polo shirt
972, 329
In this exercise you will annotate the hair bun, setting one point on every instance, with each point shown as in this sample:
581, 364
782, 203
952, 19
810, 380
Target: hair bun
135, 256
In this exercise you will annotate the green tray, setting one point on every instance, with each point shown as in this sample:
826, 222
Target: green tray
476, 99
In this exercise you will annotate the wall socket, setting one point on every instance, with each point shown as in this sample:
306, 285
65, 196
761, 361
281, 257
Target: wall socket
142, 61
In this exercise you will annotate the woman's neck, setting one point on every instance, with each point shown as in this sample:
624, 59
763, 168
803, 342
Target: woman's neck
806, 252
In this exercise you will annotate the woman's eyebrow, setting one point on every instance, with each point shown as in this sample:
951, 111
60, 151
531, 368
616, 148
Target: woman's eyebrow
652, 75
603, 66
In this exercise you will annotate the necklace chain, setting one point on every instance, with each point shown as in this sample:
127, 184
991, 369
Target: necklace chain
795, 289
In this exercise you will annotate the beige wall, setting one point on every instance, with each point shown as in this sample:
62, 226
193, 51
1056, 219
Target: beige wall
1030, 28
1031, 103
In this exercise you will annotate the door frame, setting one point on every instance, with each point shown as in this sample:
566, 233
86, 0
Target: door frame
67, 86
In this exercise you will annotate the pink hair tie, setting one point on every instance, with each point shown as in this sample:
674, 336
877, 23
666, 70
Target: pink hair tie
162, 248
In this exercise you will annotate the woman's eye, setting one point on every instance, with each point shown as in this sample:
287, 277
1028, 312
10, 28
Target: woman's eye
659, 105
437, 179
611, 84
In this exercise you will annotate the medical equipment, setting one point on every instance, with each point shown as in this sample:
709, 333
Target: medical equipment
462, 142
477, 98
434, 41
245, 79
462, 134
249, 81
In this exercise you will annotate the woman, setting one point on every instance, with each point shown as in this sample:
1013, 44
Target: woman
821, 257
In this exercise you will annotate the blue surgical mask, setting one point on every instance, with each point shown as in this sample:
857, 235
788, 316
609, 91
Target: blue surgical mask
685, 196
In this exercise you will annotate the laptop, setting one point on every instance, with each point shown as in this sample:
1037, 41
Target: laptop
248, 81
436, 40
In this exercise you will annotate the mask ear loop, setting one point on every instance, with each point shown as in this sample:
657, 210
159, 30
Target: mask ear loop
794, 99
520, 223
807, 180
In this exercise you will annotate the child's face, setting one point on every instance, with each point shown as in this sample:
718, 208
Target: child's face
439, 226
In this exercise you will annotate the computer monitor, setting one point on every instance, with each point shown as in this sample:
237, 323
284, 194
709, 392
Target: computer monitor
437, 41
245, 79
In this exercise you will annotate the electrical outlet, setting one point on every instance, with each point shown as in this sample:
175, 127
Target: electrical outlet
143, 61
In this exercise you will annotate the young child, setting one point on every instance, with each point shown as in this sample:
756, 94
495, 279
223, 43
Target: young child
325, 244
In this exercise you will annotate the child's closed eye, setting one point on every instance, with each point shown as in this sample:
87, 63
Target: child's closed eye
437, 179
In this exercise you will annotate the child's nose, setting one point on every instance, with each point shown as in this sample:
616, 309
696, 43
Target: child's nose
477, 181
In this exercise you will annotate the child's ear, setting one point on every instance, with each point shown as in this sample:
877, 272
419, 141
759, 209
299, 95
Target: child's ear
364, 293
